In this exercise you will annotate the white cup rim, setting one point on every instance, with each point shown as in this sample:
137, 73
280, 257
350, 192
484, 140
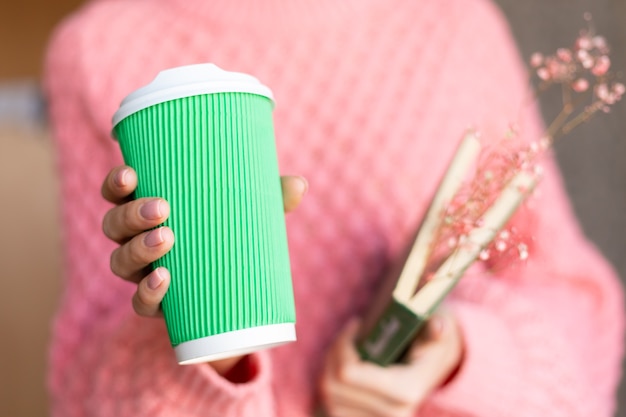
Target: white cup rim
234, 343
187, 81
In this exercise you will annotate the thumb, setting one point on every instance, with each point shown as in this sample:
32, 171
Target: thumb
346, 340
342, 349
439, 323
436, 326
350, 329
293, 189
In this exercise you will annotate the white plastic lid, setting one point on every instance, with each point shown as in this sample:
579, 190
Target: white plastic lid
189, 80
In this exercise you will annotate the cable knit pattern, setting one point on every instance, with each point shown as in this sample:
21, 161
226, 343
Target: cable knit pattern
372, 98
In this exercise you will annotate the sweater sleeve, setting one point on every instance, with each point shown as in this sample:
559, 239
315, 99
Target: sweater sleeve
544, 337
106, 361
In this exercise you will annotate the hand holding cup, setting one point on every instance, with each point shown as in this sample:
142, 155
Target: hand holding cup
129, 224
202, 139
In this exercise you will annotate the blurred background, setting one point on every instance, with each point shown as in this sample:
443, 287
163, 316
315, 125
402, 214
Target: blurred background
592, 163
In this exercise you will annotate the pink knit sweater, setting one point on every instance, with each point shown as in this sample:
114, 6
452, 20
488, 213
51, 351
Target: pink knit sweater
372, 97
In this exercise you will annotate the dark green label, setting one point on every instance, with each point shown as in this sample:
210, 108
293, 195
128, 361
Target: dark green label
392, 335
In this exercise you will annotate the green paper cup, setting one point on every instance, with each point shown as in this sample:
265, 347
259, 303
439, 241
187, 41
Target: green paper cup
203, 139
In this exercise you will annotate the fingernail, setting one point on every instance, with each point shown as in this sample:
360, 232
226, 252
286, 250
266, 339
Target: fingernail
306, 185
157, 278
154, 238
152, 210
121, 178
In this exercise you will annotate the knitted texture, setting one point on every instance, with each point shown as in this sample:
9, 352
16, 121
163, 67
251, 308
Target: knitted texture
372, 98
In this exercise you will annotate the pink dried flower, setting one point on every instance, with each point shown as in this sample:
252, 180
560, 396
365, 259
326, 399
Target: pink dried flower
545, 142
600, 43
522, 249
584, 58
583, 43
602, 92
580, 85
557, 69
544, 74
609, 96
534, 147
601, 66
564, 55
536, 60
583, 69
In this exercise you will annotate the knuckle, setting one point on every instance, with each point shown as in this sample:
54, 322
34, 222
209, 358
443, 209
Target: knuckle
105, 189
139, 304
115, 265
131, 219
107, 228
143, 303
137, 253
110, 180
110, 189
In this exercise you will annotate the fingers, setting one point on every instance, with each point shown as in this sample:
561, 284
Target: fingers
350, 400
127, 220
351, 370
351, 386
294, 189
123, 222
376, 380
348, 412
119, 184
342, 353
345, 367
150, 292
126, 224
131, 259
346, 340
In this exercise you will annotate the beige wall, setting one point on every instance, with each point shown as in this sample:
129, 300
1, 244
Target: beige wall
24, 28
29, 274
29, 247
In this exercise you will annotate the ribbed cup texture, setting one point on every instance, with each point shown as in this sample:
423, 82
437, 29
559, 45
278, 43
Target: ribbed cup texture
213, 158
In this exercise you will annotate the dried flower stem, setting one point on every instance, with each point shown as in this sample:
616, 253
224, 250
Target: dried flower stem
582, 73
477, 239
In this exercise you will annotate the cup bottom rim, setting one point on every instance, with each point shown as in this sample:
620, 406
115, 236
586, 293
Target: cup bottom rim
234, 343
